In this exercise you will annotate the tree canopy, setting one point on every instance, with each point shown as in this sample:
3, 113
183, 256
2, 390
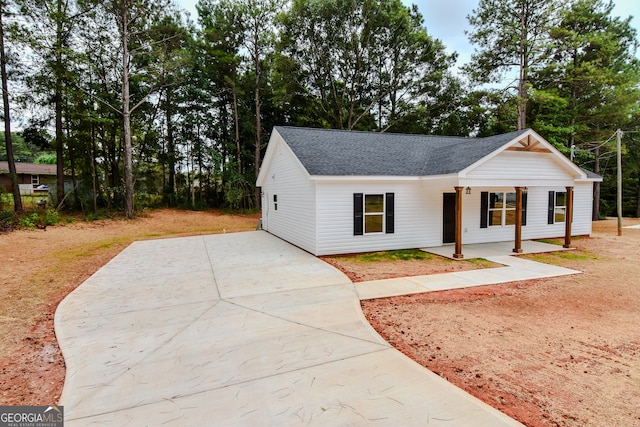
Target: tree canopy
142, 106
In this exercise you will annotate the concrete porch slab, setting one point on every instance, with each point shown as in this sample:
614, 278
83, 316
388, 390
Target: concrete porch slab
484, 250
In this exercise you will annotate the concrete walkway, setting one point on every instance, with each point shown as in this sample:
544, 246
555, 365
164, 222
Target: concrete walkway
239, 330
514, 269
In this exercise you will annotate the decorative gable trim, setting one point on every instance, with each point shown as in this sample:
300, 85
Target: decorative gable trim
531, 144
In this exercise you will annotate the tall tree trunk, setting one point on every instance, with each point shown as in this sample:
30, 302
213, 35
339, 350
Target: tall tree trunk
171, 148
17, 199
596, 188
236, 120
258, 123
638, 198
522, 79
126, 116
94, 173
58, 107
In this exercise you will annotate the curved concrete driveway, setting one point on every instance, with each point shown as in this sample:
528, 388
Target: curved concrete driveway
239, 329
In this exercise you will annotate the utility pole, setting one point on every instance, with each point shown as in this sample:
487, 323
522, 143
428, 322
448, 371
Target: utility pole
619, 144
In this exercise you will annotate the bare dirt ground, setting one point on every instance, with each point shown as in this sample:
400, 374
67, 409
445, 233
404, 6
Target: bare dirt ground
554, 352
39, 268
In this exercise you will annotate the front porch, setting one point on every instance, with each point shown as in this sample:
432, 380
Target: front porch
484, 250
515, 207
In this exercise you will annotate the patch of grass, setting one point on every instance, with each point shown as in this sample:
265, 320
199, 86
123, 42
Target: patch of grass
399, 255
480, 263
557, 258
551, 241
90, 249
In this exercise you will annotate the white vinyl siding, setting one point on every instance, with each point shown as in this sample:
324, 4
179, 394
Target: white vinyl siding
521, 169
415, 217
289, 211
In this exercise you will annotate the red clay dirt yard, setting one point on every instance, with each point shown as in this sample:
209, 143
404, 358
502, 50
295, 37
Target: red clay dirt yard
552, 352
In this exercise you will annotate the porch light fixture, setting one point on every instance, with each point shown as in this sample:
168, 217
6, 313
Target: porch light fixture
468, 190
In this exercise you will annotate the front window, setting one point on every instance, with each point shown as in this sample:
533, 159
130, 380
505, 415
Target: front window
373, 213
502, 209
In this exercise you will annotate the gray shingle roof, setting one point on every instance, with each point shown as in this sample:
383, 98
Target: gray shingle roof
344, 153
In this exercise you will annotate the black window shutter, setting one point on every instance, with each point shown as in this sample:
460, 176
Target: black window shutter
358, 217
551, 208
484, 209
388, 211
524, 208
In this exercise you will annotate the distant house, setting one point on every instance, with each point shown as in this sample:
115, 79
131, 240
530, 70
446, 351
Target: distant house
331, 192
30, 176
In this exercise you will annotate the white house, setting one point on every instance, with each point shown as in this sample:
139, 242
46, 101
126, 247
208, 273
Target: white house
331, 191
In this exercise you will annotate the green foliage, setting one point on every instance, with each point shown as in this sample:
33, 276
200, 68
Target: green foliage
365, 65
146, 200
4, 198
23, 151
39, 219
238, 192
46, 159
52, 217
29, 220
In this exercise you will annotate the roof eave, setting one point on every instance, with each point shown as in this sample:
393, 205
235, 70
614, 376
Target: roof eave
363, 178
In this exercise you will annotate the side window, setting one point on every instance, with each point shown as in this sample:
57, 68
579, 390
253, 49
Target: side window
373, 213
35, 180
275, 202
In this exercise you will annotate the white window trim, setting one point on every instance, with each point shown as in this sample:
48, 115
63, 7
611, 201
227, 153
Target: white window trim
503, 209
557, 207
365, 213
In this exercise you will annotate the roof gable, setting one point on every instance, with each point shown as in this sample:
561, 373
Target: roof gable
530, 142
351, 153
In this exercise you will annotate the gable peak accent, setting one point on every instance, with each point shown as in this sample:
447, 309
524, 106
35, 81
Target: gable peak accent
529, 143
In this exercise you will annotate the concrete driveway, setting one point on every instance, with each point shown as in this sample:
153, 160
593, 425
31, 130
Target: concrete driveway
239, 329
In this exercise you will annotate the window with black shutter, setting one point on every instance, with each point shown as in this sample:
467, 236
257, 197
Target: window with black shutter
373, 213
389, 213
484, 209
358, 218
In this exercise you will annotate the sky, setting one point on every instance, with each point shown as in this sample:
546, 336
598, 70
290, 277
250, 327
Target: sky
447, 20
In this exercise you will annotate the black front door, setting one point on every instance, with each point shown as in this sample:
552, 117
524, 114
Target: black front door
449, 218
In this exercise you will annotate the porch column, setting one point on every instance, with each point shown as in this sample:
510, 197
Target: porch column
518, 243
458, 252
568, 218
